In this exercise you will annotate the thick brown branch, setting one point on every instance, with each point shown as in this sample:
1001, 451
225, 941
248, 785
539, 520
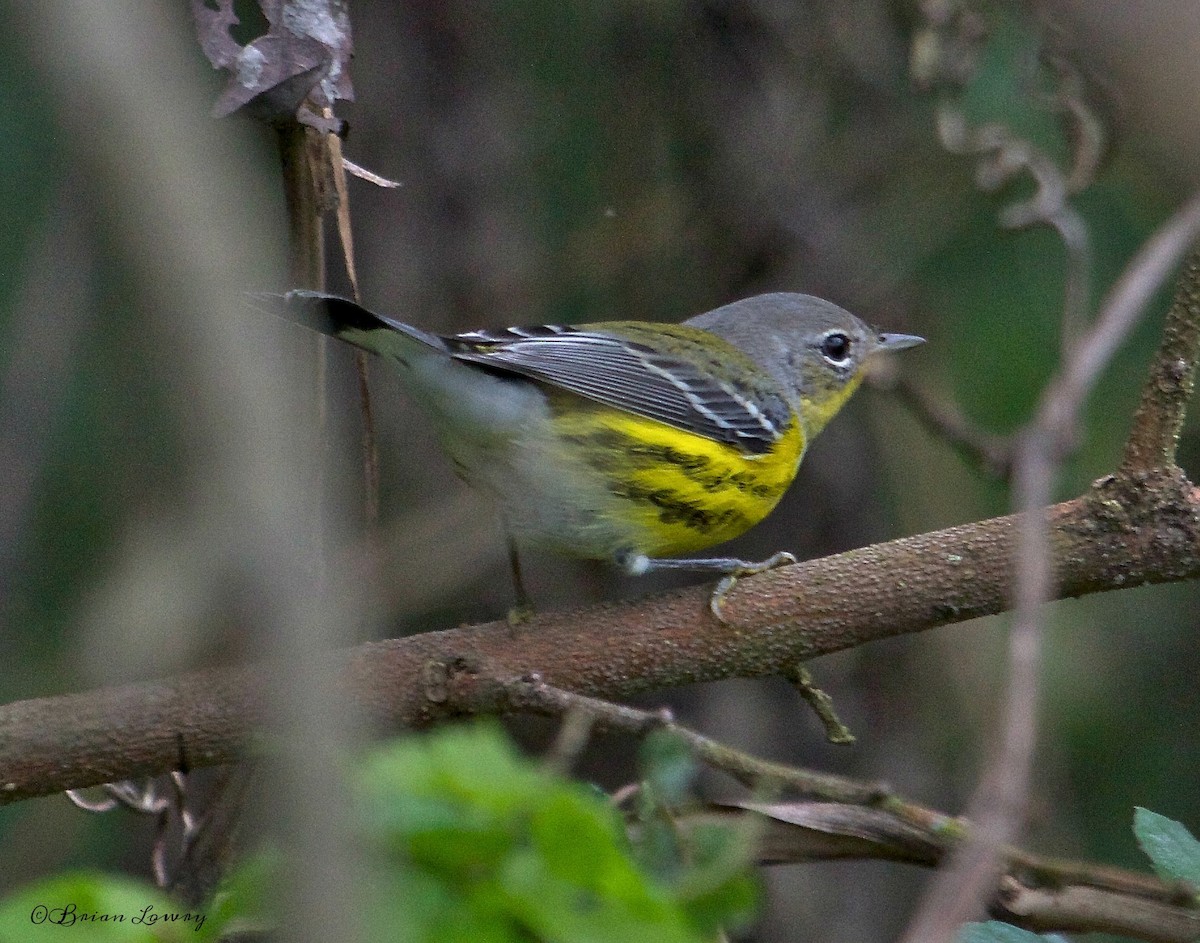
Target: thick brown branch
1159, 416
1121, 535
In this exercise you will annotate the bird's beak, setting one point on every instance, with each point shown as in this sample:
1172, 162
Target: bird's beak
898, 341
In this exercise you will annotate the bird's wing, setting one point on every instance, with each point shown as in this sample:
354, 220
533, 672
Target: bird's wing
631, 376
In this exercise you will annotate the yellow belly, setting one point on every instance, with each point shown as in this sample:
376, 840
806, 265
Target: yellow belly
669, 492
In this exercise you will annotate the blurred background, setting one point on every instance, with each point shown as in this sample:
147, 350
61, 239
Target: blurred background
568, 162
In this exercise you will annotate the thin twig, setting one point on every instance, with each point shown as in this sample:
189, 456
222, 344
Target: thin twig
822, 704
573, 735
533, 695
999, 801
302, 191
991, 454
1125, 303
1002, 155
370, 445
146, 797
997, 806
1039, 892
370, 176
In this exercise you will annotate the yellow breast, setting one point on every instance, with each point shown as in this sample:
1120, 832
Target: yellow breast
674, 492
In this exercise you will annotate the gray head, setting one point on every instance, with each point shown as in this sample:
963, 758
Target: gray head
813, 348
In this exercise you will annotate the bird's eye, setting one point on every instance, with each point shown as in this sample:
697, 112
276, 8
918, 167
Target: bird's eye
836, 348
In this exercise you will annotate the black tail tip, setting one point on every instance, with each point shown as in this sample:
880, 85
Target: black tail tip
317, 310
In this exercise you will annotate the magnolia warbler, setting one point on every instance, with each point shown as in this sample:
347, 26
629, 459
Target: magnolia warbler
628, 441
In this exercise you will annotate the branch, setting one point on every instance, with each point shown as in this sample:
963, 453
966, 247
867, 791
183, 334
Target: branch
533, 695
1124, 304
1037, 893
1159, 417
1112, 538
1079, 907
989, 453
864, 821
999, 801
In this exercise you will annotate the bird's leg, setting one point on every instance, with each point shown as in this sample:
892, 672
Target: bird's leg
731, 568
522, 610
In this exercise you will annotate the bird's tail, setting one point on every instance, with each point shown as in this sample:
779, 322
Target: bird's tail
349, 321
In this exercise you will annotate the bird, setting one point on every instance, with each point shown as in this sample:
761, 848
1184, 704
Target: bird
635, 442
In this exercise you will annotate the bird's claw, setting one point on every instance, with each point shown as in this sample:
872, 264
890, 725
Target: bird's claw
716, 602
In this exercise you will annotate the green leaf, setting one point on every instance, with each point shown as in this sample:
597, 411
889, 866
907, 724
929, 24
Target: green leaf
730, 904
470, 765
413, 905
1171, 848
668, 766
995, 931
243, 895
480, 843
567, 822
565, 912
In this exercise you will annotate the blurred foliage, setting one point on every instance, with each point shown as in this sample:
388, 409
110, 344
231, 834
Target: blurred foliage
585, 161
477, 843
468, 841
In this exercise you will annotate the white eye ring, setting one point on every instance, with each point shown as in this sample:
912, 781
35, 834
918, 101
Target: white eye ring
835, 348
